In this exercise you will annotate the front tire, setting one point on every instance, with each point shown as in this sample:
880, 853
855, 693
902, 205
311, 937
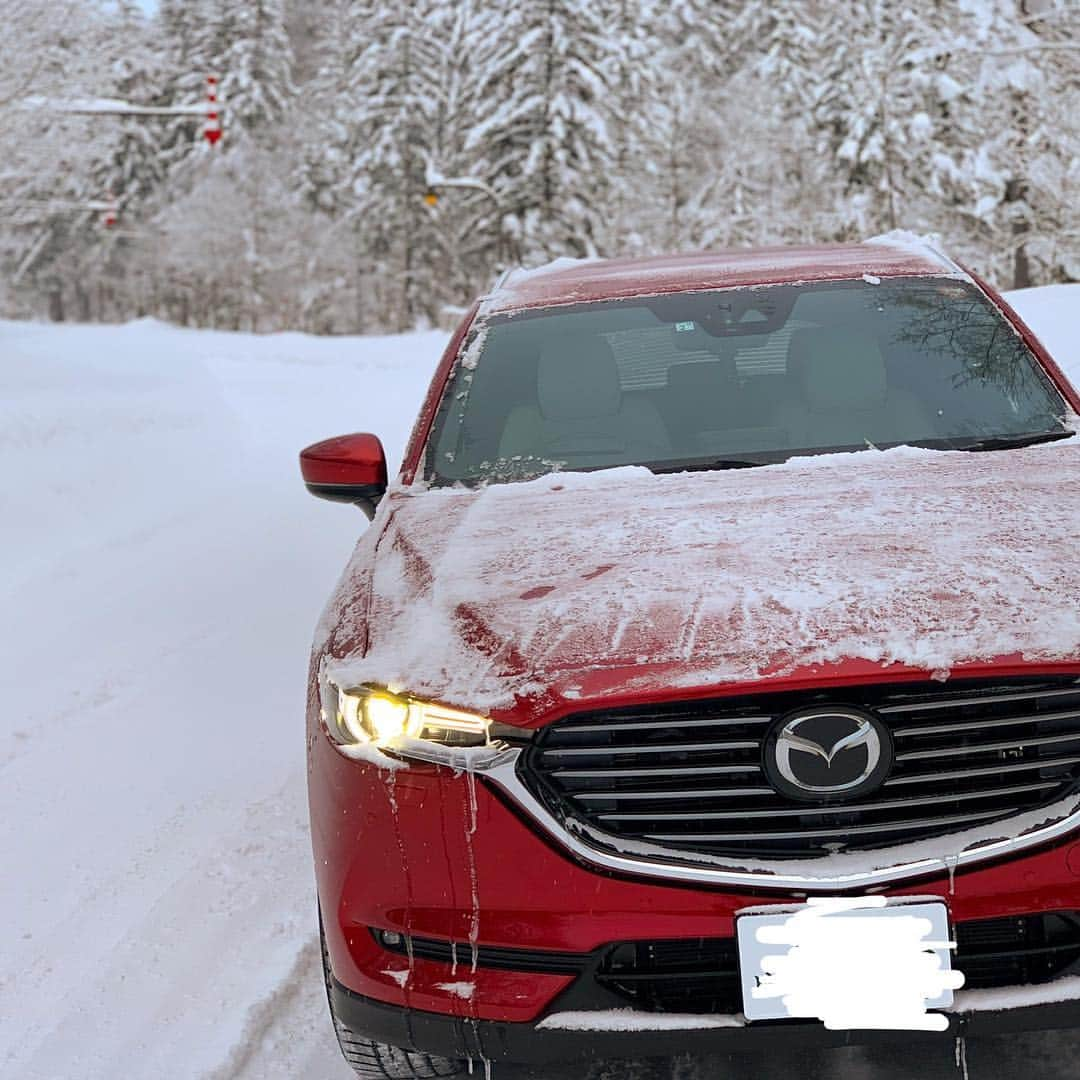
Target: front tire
376, 1061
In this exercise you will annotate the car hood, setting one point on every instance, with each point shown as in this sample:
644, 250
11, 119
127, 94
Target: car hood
928, 559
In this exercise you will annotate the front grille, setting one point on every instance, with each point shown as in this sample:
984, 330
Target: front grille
688, 776
701, 975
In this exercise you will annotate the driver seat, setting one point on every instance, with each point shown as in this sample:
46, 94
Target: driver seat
845, 396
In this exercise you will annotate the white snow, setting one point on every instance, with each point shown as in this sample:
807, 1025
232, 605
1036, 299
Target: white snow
1066, 988
927, 245
564, 262
635, 1020
163, 570
915, 557
90, 106
1051, 312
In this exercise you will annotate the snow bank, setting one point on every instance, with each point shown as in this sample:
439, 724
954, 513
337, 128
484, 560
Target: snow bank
1052, 313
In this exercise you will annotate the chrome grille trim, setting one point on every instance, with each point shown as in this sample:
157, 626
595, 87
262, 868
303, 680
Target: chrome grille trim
984, 748
660, 796
649, 725
858, 808
990, 770
682, 748
797, 834
978, 725
710, 770
978, 699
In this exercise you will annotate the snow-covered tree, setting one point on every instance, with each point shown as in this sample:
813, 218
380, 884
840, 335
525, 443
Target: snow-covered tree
393, 84
544, 141
381, 162
257, 64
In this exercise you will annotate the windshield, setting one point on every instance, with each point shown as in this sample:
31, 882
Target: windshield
736, 377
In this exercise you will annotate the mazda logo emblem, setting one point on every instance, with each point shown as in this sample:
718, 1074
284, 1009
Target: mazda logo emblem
828, 754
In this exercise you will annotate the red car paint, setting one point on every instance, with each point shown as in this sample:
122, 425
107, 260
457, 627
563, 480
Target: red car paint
399, 854
348, 459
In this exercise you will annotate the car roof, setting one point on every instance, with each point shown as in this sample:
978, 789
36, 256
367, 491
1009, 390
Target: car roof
571, 281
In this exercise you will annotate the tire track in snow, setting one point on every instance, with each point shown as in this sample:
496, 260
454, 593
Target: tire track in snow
288, 1033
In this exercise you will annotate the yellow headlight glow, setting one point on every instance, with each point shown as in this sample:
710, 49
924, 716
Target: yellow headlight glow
369, 714
387, 717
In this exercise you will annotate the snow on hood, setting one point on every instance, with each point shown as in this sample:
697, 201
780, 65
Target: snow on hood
923, 558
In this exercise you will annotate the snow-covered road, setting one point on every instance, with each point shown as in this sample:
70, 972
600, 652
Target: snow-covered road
163, 569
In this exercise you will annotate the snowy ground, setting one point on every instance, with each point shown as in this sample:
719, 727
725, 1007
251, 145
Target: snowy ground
163, 569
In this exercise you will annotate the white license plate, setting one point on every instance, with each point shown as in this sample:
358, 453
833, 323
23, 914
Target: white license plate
854, 963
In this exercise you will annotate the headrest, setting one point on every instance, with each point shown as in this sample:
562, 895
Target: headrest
577, 377
702, 377
838, 368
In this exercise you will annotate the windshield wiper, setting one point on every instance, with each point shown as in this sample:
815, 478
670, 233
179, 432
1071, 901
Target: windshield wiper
1008, 442
703, 465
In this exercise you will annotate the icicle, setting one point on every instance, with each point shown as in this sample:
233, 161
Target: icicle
391, 794
961, 1056
474, 885
470, 781
453, 957
951, 862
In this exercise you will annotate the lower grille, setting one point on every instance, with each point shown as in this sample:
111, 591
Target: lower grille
689, 775
701, 975
461, 953
696, 976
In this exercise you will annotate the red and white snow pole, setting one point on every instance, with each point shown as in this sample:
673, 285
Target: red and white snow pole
212, 130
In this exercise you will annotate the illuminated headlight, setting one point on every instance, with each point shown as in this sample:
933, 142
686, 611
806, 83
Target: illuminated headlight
368, 714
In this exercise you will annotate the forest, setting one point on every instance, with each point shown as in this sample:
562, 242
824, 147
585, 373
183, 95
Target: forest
381, 162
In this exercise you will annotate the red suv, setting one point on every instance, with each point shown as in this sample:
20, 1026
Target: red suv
711, 586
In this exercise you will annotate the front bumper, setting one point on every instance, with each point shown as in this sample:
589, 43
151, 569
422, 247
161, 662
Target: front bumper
568, 1035
431, 853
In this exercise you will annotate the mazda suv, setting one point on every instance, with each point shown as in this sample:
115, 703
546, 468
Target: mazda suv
724, 605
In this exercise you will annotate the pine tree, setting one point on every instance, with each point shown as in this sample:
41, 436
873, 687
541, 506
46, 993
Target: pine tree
391, 84
544, 142
257, 64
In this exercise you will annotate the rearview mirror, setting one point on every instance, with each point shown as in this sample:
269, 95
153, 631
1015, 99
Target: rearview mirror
348, 468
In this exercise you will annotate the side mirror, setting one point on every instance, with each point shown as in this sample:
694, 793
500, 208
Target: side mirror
349, 468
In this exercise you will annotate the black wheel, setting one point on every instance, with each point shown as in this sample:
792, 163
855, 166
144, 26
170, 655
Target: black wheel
377, 1061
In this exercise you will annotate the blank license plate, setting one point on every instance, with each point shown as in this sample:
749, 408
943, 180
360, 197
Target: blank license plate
849, 966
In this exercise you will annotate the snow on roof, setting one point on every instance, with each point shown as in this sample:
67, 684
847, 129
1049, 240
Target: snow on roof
578, 584
566, 281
